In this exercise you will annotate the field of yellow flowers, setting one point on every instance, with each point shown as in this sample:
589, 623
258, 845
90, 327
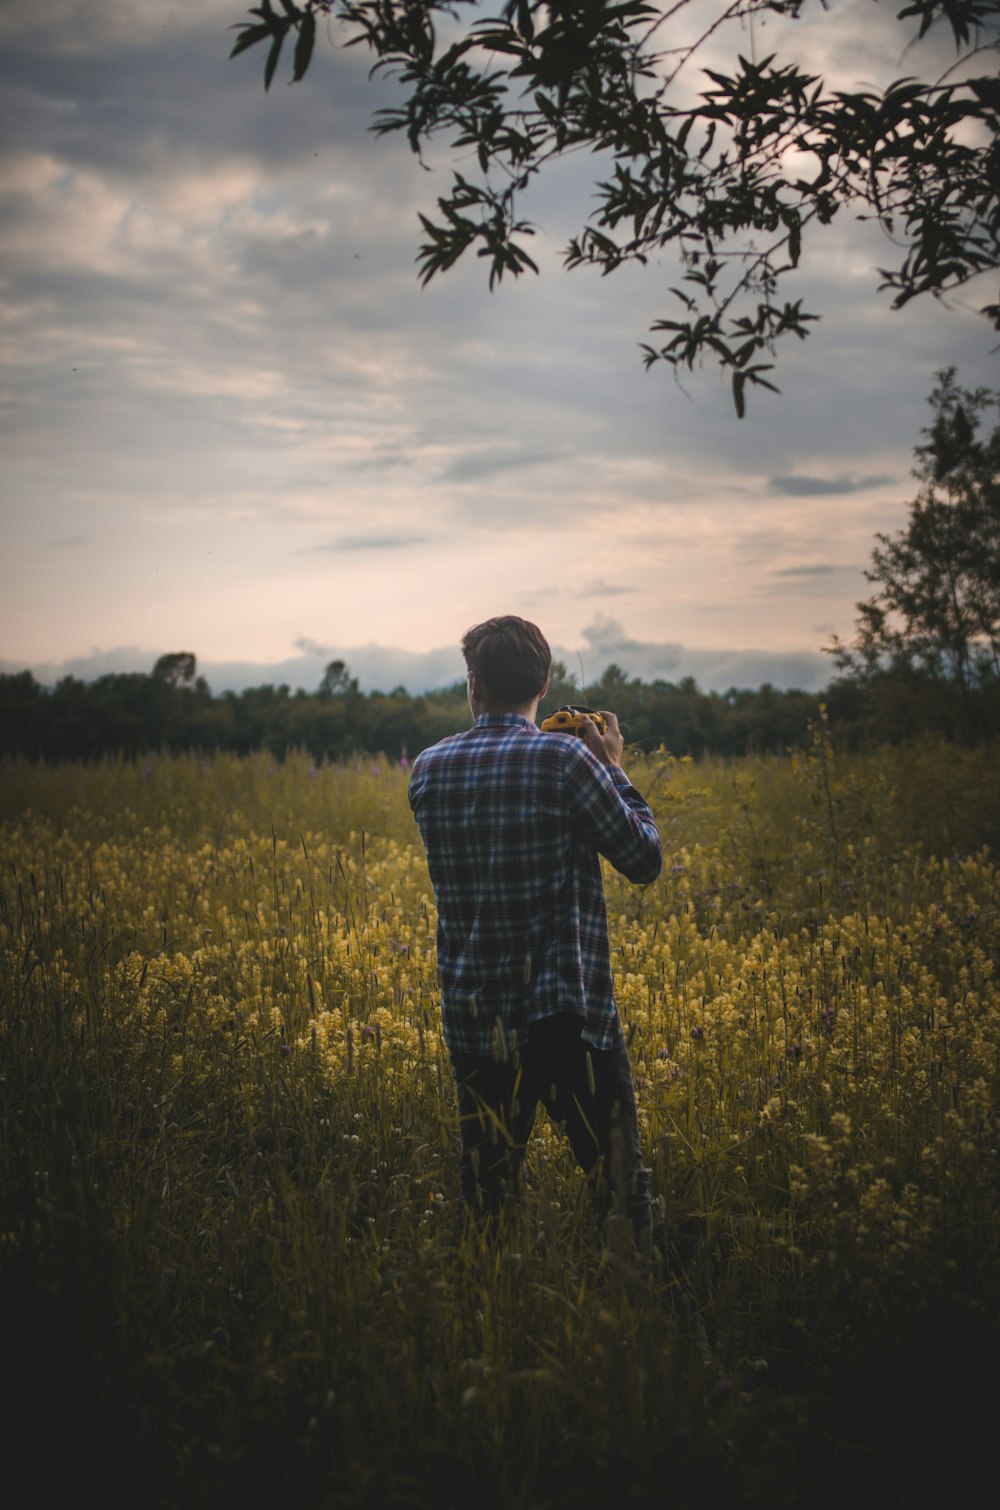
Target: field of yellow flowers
233, 1265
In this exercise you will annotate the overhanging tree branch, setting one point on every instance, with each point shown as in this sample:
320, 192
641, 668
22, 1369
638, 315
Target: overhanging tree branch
731, 175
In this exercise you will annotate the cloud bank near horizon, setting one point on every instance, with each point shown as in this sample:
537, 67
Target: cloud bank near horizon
383, 668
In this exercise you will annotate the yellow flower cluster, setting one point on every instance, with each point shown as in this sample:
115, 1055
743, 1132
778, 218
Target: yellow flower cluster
838, 1043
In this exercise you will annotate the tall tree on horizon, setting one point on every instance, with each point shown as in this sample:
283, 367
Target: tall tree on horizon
935, 614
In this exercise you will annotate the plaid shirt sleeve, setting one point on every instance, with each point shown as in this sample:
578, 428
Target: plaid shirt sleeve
614, 816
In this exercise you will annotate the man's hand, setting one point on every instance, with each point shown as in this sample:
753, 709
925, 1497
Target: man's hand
608, 747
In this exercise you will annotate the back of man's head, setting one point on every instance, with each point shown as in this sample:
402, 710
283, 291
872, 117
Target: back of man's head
509, 659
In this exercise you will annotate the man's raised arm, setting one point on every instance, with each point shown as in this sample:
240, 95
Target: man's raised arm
613, 815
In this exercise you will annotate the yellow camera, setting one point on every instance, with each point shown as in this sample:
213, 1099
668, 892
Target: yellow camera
569, 720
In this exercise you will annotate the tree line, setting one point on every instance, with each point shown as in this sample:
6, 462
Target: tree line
136, 714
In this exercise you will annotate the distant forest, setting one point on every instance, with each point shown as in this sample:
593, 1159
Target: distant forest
172, 708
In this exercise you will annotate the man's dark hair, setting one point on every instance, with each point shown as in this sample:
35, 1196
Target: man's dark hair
509, 658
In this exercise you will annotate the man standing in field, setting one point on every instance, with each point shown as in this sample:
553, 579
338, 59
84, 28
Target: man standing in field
514, 822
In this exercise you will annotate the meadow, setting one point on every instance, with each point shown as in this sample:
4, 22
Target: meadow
233, 1264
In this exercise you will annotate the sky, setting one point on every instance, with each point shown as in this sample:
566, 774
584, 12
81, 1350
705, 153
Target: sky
234, 423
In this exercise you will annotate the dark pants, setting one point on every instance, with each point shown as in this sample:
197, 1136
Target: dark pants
588, 1091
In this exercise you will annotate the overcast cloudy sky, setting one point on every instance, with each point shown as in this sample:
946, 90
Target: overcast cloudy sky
235, 424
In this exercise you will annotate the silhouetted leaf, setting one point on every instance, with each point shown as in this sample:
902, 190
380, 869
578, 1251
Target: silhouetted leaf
304, 46
272, 58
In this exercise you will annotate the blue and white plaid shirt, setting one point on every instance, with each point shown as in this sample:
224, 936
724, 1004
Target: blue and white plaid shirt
514, 821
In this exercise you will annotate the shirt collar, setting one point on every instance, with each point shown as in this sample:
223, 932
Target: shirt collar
504, 721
